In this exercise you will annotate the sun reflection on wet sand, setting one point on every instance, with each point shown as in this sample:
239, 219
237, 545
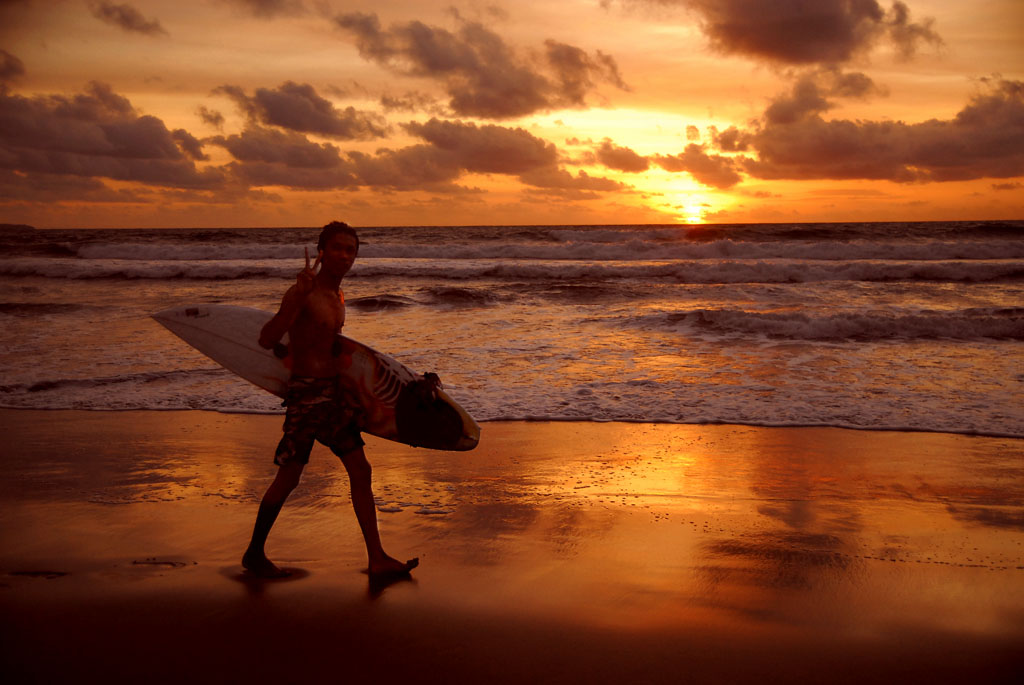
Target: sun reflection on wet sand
628, 526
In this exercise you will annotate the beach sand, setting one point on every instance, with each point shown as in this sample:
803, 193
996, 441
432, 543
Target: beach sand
554, 552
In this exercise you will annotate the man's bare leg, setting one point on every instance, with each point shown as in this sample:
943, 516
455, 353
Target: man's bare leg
255, 558
359, 472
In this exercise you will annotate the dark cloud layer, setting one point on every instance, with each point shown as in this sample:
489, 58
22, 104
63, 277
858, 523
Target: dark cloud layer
23, 186
487, 149
126, 17
268, 9
298, 107
984, 140
10, 67
271, 146
483, 76
806, 31
451, 149
96, 134
555, 179
54, 144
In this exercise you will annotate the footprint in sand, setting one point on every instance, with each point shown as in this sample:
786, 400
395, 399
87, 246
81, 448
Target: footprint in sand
48, 575
152, 561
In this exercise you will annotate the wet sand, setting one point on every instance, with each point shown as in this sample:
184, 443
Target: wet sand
555, 552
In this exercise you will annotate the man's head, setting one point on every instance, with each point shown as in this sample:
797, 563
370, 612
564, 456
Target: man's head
338, 246
332, 229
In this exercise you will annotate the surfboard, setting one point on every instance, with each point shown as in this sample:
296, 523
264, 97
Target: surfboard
387, 389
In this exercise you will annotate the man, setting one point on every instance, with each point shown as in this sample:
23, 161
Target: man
312, 312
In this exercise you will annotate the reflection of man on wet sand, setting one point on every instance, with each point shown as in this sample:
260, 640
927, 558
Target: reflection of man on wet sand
312, 312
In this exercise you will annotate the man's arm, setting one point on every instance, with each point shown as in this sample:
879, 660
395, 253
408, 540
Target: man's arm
291, 305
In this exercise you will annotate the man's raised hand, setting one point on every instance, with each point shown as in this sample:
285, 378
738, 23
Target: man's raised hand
304, 280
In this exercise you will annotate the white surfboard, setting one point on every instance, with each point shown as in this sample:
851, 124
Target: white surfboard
229, 335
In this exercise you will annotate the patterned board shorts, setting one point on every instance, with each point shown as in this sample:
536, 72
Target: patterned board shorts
319, 409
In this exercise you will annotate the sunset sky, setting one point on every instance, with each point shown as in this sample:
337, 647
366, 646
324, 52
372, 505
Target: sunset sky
152, 113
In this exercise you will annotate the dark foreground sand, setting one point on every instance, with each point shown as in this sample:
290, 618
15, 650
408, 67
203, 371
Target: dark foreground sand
591, 553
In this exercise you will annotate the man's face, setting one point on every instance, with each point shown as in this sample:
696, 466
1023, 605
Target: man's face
339, 253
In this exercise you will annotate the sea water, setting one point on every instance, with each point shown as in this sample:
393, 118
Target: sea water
915, 326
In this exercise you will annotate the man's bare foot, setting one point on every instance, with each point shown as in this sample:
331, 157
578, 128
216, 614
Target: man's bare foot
392, 567
257, 564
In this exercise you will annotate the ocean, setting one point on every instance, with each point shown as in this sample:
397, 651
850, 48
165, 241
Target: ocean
889, 326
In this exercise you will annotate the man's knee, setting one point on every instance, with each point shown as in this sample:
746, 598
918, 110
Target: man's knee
355, 462
288, 475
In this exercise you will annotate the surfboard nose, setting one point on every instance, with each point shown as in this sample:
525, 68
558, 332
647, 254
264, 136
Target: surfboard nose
467, 443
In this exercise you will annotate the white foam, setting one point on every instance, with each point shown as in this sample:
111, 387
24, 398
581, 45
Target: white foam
702, 271
588, 245
191, 252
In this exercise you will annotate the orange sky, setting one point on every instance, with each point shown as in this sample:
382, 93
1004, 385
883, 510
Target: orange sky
295, 112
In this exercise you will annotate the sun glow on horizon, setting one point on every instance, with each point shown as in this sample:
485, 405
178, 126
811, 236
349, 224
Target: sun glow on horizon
691, 207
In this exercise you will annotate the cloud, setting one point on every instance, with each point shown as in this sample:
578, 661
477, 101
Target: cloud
491, 149
417, 167
411, 101
621, 158
1007, 186
849, 84
482, 75
984, 140
804, 99
127, 18
731, 139
487, 148
555, 179
266, 156
211, 117
806, 31
716, 171
284, 158
10, 67
808, 96
19, 186
96, 134
298, 107
267, 145
189, 144
574, 69
268, 9
905, 35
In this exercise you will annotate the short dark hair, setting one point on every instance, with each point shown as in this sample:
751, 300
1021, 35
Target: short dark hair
334, 228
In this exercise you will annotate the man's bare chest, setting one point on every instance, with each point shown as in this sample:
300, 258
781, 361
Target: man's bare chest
324, 312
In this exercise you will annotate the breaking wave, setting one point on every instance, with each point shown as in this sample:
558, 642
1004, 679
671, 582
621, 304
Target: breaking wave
965, 324
695, 271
